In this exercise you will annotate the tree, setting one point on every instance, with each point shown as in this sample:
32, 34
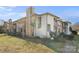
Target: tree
1, 29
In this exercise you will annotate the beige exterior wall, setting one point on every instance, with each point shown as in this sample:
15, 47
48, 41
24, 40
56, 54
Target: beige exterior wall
20, 26
36, 25
29, 27
46, 20
41, 31
59, 26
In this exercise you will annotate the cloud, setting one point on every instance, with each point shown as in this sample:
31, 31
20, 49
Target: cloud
11, 6
7, 12
7, 8
12, 15
2, 8
70, 15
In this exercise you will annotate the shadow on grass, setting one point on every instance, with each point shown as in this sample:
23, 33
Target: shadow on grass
2, 35
47, 42
53, 44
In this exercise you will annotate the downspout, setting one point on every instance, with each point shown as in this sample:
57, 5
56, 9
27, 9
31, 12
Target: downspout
46, 26
34, 28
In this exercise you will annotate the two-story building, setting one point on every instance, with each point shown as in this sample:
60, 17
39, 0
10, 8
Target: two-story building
34, 24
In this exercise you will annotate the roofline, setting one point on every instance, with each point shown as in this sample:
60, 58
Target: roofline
18, 19
25, 17
49, 14
44, 14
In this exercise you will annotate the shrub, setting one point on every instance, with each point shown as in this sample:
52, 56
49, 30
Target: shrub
1, 29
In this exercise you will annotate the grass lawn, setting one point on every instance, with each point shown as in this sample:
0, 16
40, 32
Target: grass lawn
60, 46
55, 45
13, 44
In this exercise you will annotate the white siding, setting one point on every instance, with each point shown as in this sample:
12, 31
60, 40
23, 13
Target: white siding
41, 32
68, 31
50, 20
45, 19
19, 26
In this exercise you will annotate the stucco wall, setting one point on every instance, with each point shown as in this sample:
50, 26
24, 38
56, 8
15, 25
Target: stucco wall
45, 19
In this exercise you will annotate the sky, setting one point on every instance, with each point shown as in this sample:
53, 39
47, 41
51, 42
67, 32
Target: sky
69, 13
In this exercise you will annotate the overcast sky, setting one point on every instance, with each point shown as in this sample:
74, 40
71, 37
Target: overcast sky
70, 13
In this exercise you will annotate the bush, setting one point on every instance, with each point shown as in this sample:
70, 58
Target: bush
63, 37
1, 29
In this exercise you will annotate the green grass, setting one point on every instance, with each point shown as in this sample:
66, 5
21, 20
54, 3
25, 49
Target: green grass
56, 46
76, 37
13, 44
59, 45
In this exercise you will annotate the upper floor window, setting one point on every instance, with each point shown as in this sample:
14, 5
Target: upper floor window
55, 21
39, 22
55, 18
48, 27
55, 24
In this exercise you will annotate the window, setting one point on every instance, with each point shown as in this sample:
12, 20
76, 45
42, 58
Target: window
21, 30
48, 27
39, 23
65, 27
55, 25
54, 18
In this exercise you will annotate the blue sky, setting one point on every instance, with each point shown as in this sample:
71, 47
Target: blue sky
70, 13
